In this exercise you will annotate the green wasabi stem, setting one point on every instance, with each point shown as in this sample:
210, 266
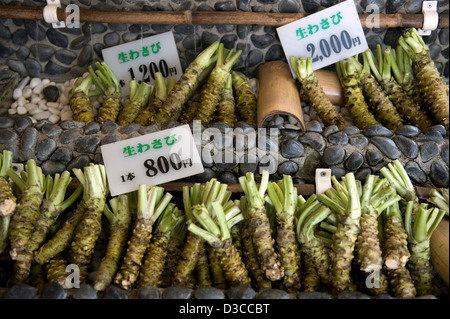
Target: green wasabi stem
399, 179
285, 202
24, 219
147, 115
155, 258
212, 89
139, 96
354, 97
345, 237
313, 249
248, 250
439, 198
246, 105
216, 232
119, 218
227, 105
151, 204
319, 101
185, 85
405, 105
7, 199
93, 179
419, 233
432, 87
79, 97
260, 226
52, 206
106, 81
192, 197
377, 99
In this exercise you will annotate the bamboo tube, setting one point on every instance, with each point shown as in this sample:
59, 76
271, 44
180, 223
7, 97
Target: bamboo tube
277, 93
439, 249
397, 20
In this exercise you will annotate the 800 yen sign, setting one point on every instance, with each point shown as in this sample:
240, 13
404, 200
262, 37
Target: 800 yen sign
327, 37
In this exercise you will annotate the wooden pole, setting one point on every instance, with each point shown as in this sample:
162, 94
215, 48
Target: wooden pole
397, 20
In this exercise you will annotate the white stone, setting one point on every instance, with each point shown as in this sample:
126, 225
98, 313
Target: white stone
42, 115
66, 115
17, 93
14, 105
53, 110
42, 105
23, 83
26, 93
53, 104
21, 110
30, 106
35, 82
54, 118
38, 89
63, 99
21, 101
12, 111
34, 110
45, 82
66, 108
35, 99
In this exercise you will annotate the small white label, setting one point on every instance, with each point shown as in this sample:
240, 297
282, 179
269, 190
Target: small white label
323, 180
142, 58
151, 159
328, 36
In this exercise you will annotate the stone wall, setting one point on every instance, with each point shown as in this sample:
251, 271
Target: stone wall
34, 48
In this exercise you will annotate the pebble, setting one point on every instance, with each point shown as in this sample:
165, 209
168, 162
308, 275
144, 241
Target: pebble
53, 290
445, 154
175, 292
228, 178
114, 292
85, 291
439, 175
428, 151
362, 173
273, 294
436, 128
338, 138
354, 161
351, 130
333, 155
383, 296
386, 146
330, 130
359, 141
51, 93
377, 130
352, 295
287, 168
207, 174
21, 291
45, 148
226, 160
148, 293
87, 144
434, 136
52, 167
408, 131
291, 149
241, 293
407, 146
29, 139
314, 295
338, 172
208, 292
69, 136
415, 173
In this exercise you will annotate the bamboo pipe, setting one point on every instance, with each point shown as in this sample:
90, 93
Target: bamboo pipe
397, 20
439, 249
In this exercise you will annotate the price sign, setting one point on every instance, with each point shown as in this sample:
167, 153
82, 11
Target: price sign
151, 159
328, 36
142, 58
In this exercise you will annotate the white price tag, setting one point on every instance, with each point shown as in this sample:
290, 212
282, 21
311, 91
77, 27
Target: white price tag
142, 58
151, 159
328, 36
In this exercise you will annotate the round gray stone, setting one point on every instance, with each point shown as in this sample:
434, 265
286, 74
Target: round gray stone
22, 123
415, 173
288, 6
273, 294
386, 146
21, 291
207, 292
408, 131
45, 148
207, 174
274, 53
262, 41
287, 168
407, 146
69, 136
52, 167
330, 130
51, 93
91, 128
33, 67
439, 175
53, 290
85, 291
377, 130
354, 161
351, 130
313, 126
311, 6
114, 292
51, 130
35, 31
254, 57
338, 138
434, 136
42, 52
19, 37
292, 149
241, 293
175, 292
428, 151
436, 128
15, 65
314, 295
445, 153
53, 68
57, 38
87, 144
109, 127
29, 139
362, 173
373, 157
352, 295
148, 293
111, 39
85, 56
80, 42
338, 172
6, 122
358, 141
61, 154
228, 178
79, 162
110, 138
333, 155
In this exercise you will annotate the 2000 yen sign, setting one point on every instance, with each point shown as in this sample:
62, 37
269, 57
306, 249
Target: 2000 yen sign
163, 165
334, 44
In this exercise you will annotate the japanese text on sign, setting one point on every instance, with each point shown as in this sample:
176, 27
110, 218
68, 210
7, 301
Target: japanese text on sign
142, 58
151, 159
328, 36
